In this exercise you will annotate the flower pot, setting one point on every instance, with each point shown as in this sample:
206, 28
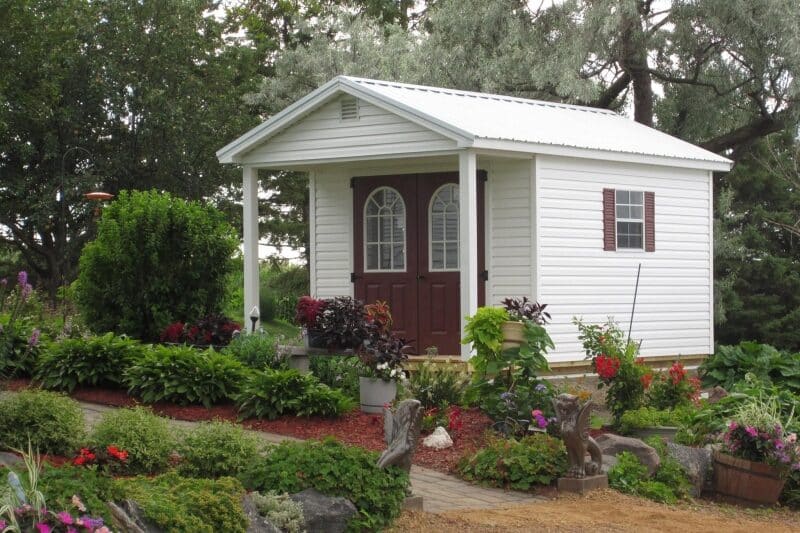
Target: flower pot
314, 339
747, 482
665, 432
374, 393
513, 334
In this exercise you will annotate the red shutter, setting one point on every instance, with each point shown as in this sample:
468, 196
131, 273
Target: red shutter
609, 220
649, 222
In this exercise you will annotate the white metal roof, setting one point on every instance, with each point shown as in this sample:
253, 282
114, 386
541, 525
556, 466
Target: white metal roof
495, 122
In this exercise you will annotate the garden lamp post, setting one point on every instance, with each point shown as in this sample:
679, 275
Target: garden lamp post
254, 316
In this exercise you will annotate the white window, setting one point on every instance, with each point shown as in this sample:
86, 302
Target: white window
630, 219
443, 224
385, 231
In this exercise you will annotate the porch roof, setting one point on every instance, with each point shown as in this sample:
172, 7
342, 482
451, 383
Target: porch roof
496, 122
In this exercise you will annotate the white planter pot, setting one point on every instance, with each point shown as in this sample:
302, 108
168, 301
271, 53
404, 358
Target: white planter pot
513, 334
374, 393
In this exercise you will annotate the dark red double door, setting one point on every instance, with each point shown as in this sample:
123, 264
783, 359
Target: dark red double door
407, 253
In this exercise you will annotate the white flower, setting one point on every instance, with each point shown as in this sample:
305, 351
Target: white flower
393, 373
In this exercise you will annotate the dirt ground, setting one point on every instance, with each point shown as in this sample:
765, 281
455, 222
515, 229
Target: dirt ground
605, 510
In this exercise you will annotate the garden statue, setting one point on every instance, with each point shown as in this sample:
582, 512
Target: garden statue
573, 420
401, 431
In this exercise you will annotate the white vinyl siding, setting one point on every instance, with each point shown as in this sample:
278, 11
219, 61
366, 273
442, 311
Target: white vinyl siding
579, 278
508, 232
332, 235
324, 135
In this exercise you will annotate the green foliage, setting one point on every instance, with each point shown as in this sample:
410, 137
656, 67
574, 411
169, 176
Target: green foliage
101, 360
282, 512
51, 422
147, 438
184, 375
730, 364
338, 372
156, 259
337, 470
286, 282
177, 504
216, 449
537, 459
272, 393
626, 475
668, 485
257, 350
645, 417
435, 385
484, 331
93, 488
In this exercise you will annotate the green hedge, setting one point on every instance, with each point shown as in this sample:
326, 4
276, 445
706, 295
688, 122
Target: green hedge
101, 360
216, 449
337, 470
147, 438
184, 375
51, 422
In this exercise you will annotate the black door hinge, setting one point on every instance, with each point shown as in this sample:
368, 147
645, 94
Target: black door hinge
353, 277
485, 275
483, 176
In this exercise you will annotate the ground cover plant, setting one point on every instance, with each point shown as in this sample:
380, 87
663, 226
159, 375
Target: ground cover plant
337, 470
184, 375
272, 393
645, 417
92, 487
668, 485
216, 449
96, 361
51, 422
147, 438
282, 512
519, 464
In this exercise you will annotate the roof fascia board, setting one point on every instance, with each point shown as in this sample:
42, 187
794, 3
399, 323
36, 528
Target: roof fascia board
462, 137
585, 153
230, 152
312, 162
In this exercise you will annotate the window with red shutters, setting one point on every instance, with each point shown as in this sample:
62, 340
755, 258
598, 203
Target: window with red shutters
628, 220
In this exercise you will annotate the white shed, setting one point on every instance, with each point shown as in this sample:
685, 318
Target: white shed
440, 200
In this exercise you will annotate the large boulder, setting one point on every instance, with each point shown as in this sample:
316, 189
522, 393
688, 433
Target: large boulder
324, 514
697, 464
611, 444
129, 518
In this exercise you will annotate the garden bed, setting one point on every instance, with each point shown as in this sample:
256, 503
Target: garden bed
355, 428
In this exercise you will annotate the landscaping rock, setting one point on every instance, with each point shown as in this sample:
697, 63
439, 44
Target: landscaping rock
697, 464
129, 518
611, 444
438, 440
9, 460
256, 522
716, 394
324, 514
609, 461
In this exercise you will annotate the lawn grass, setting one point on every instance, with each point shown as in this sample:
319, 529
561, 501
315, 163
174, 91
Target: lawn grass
289, 332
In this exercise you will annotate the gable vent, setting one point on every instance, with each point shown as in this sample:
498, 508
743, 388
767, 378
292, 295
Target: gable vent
348, 109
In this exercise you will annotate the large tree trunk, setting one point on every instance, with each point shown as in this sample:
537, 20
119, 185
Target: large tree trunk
634, 62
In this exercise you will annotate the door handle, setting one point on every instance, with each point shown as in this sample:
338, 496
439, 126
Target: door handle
420, 277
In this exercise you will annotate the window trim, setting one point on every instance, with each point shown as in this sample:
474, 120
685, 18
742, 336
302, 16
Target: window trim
618, 219
366, 241
430, 233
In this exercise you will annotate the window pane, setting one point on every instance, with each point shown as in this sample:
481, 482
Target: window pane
635, 241
636, 211
372, 207
372, 257
372, 229
385, 225
437, 256
398, 229
398, 261
636, 197
623, 211
451, 257
386, 257
623, 197
452, 226
437, 227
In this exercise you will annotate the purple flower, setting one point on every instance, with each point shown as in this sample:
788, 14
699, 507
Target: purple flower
34, 340
27, 289
541, 387
22, 278
91, 523
750, 430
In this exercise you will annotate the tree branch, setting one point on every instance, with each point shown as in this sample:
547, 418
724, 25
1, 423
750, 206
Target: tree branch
610, 94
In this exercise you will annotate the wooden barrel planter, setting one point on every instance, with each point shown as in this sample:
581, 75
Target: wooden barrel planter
747, 482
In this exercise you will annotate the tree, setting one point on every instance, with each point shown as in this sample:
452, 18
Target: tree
157, 259
149, 89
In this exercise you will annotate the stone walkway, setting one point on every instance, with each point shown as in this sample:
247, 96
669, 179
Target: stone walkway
440, 492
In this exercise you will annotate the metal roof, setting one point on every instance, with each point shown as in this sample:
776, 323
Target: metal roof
479, 119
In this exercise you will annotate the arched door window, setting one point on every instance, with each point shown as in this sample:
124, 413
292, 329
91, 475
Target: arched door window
385, 231
443, 224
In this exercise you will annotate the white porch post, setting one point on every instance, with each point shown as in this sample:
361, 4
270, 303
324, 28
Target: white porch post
250, 249
468, 238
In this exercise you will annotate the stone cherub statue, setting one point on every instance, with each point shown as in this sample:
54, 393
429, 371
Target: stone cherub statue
401, 431
573, 420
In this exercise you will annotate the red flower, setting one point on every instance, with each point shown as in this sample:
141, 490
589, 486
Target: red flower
606, 367
455, 423
646, 380
677, 373
173, 332
118, 454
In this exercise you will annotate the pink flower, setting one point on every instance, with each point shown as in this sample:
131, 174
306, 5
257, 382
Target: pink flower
43, 528
22, 278
791, 438
750, 430
34, 340
536, 412
733, 425
65, 518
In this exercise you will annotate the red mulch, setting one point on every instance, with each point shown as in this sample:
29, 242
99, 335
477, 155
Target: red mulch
354, 428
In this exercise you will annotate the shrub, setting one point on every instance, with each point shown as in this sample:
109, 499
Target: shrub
156, 259
216, 449
272, 393
672, 389
282, 512
436, 385
184, 375
212, 330
257, 350
668, 485
146, 437
337, 470
338, 372
93, 488
52, 422
87, 361
175, 503
730, 364
287, 283
537, 459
